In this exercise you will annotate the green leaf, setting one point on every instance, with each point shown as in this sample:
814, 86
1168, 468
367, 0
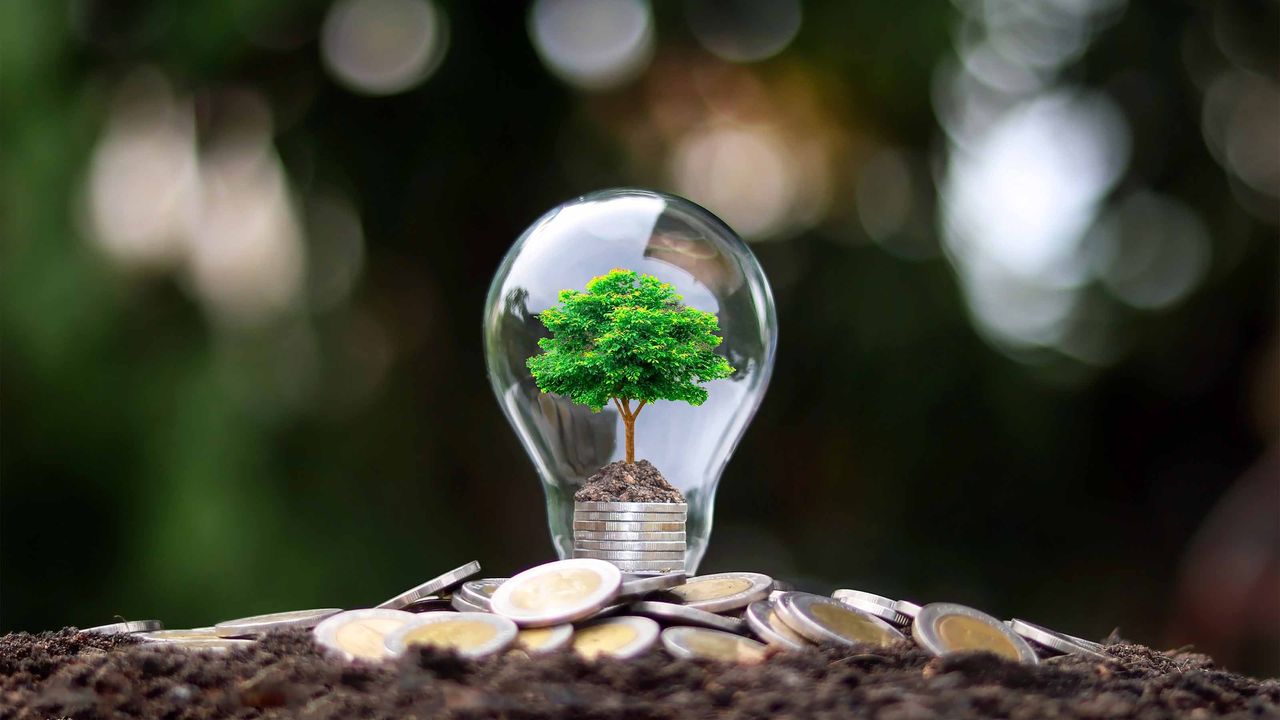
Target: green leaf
628, 336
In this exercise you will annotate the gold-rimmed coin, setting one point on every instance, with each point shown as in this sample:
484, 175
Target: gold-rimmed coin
944, 628
557, 592
823, 619
706, 644
469, 634
360, 634
722, 592
762, 618
536, 641
615, 637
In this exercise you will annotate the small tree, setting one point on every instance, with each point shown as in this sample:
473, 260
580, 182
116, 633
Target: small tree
627, 339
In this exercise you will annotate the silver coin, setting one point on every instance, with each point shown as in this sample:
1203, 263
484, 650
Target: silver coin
673, 614
629, 517
469, 634
609, 611
208, 644
461, 603
643, 555
943, 628
537, 641
908, 608
360, 634
608, 526
483, 588
127, 626
1094, 646
633, 545
629, 536
871, 607
166, 636
677, 508
823, 619
615, 637
432, 586
762, 618
557, 592
1053, 639
430, 603
722, 592
648, 567
479, 592
704, 644
259, 624
640, 585
863, 597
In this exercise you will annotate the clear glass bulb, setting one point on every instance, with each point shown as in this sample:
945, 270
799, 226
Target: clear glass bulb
679, 243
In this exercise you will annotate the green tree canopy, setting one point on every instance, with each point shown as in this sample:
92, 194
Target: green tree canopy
627, 338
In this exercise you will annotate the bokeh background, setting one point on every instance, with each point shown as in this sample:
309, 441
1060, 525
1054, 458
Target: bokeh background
1024, 254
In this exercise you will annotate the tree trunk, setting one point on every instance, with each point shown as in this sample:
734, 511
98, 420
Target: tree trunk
631, 439
629, 421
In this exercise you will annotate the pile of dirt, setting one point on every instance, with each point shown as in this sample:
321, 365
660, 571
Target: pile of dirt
66, 674
628, 482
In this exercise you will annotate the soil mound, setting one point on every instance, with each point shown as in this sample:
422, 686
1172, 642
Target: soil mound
70, 674
628, 482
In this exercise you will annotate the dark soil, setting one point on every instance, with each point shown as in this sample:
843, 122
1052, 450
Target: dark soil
66, 674
628, 482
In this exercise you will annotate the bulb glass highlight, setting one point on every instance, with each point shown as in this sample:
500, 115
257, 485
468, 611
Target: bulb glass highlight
679, 243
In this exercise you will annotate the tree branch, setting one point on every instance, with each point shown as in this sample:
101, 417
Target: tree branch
639, 408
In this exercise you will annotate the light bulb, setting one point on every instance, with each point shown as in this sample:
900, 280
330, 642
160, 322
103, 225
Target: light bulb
679, 243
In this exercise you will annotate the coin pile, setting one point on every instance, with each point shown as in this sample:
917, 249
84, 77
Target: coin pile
639, 538
590, 607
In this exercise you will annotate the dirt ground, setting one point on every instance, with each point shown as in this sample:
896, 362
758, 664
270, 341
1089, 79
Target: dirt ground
624, 482
67, 674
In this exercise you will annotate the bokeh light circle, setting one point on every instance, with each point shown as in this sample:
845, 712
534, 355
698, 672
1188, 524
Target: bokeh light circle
744, 30
383, 47
745, 174
593, 45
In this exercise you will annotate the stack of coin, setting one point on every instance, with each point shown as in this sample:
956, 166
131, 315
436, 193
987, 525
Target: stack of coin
640, 538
